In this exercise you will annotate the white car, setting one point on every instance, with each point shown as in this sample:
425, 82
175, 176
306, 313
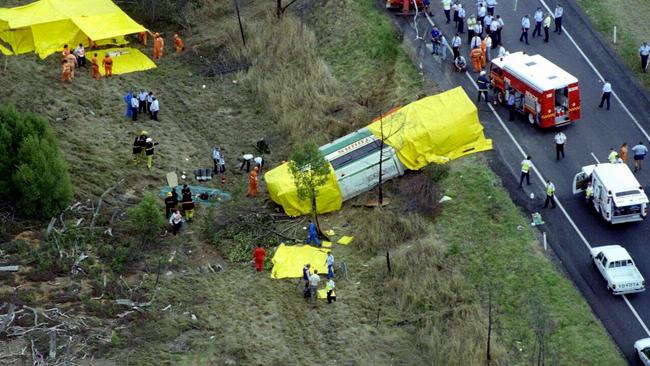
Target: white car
642, 348
618, 268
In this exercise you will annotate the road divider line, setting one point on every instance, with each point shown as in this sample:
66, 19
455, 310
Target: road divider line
595, 158
636, 315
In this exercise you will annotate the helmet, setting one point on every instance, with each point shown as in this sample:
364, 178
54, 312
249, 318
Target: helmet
169, 194
149, 139
143, 132
482, 72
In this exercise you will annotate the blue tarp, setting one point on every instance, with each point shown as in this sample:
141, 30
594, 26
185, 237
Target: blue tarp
215, 196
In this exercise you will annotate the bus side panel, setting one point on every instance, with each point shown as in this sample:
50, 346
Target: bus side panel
574, 102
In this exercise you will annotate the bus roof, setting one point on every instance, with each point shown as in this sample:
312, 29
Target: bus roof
539, 72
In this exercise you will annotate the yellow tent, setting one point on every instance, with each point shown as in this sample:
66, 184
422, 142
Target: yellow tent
289, 260
125, 60
45, 26
282, 189
434, 129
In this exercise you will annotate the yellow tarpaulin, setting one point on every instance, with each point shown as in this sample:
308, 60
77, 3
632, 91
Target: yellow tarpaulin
125, 60
434, 129
5, 51
45, 26
288, 261
282, 189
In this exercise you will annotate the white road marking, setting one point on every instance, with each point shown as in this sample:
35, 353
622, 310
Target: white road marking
595, 158
539, 175
600, 76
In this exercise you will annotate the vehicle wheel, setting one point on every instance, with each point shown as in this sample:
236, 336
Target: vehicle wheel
499, 97
531, 118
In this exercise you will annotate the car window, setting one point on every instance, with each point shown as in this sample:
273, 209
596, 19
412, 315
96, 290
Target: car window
599, 256
629, 262
604, 261
614, 264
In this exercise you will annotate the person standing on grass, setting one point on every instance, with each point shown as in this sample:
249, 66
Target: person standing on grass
314, 280
640, 151
547, 25
539, 17
107, 62
560, 141
644, 52
622, 153
80, 53
127, 100
607, 94
188, 207
216, 155
330, 264
525, 26
176, 221
305, 274
312, 234
142, 102
329, 288
170, 204
446, 7
559, 12
550, 194
222, 167
135, 106
94, 63
149, 147
526, 165
252, 183
154, 108
149, 101
258, 256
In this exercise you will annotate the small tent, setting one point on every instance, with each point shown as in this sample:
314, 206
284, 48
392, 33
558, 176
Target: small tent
45, 26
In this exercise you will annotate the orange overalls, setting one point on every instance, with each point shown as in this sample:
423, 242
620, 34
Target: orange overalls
158, 45
477, 59
95, 64
72, 61
252, 183
179, 45
484, 51
108, 65
143, 37
65, 72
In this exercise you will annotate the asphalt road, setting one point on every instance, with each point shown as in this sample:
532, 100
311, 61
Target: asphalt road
595, 132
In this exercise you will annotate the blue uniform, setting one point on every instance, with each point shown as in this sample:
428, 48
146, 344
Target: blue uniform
127, 99
313, 235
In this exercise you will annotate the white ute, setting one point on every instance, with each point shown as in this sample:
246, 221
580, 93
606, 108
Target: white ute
617, 195
618, 269
642, 348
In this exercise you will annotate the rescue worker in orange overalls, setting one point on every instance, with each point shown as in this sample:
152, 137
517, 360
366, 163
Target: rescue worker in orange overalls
66, 51
108, 65
258, 256
477, 59
143, 37
252, 183
95, 67
179, 45
71, 59
65, 71
158, 45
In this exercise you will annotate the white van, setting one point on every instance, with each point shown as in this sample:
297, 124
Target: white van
617, 195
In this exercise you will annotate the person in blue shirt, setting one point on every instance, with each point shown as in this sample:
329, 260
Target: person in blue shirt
127, 100
435, 39
511, 105
330, 265
313, 234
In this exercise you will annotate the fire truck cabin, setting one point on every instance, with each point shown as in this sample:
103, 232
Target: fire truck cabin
546, 94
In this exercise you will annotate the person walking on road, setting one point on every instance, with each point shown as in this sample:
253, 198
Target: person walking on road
471, 27
644, 52
455, 45
476, 42
500, 24
547, 25
526, 165
486, 47
477, 59
435, 40
446, 7
481, 12
607, 94
560, 141
613, 156
550, 194
539, 17
491, 4
443, 47
483, 84
525, 26
559, 12
461, 19
640, 151
487, 24
622, 153
511, 105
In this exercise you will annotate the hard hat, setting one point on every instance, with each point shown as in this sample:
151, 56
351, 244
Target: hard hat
149, 139
169, 194
143, 132
482, 72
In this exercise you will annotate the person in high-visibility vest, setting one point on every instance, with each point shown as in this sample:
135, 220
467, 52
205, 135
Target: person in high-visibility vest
589, 193
550, 194
526, 164
613, 156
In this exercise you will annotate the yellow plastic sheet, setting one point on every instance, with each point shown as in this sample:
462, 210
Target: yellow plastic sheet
125, 60
346, 240
45, 26
5, 51
282, 189
434, 129
288, 261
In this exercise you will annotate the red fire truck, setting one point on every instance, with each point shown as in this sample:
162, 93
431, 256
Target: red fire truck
547, 95
404, 5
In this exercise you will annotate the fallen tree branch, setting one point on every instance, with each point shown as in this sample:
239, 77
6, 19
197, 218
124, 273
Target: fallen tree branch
101, 201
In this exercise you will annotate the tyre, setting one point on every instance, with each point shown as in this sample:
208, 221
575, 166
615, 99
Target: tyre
499, 97
531, 118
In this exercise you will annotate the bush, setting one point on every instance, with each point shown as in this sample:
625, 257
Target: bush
147, 218
33, 174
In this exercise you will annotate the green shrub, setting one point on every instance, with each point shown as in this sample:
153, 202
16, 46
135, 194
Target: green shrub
33, 174
147, 219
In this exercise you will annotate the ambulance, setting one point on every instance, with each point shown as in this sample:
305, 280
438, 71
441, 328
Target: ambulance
546, 94
617, 195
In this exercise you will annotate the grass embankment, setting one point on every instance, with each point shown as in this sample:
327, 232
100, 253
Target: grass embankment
630, 21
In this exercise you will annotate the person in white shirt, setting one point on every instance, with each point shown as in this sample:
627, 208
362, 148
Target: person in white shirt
559, 12
560, 140
314, 280
488, 47
259, 163
455, 45
149, 101
501, 52
246, 162
154, 108
644, 51
446, 7
525, 26
135, 105
491, 4
539, 17
476, 42
216, 156
176, 221
142, 98
80, 53
481, 12
607, 93
500, 25
461, 19
494, 32
487, 22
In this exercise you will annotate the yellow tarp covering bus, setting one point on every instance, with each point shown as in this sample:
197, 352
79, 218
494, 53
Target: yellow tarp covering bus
282, 189
125, 60
289, 260
434, 129
45, 26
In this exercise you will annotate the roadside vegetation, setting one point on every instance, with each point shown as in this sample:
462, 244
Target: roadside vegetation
460, 271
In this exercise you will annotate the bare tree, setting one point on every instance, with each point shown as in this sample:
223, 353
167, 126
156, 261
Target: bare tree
280, 9
382, 143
